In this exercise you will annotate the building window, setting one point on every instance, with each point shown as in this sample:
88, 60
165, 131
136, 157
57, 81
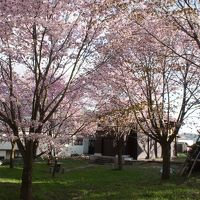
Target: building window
78, 141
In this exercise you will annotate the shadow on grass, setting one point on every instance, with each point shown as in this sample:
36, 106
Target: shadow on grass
101, 183
59, 191
131, 183
9, 191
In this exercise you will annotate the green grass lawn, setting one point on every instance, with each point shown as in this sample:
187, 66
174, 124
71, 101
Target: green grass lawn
138, 182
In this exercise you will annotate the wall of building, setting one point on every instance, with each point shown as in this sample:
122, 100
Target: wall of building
139, 147
68, 150
75, 149
2, 154
5, 148
85, 145
6, 145
143, 148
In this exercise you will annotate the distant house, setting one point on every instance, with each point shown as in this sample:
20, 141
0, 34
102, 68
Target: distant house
187, 138
79, 145
184, 141
136, 146
5, 150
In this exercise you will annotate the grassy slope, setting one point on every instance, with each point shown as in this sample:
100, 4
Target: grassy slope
100, 182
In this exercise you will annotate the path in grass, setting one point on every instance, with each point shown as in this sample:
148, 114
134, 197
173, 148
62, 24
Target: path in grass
77, 168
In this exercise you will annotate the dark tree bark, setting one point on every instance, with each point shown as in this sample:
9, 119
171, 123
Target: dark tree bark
54, 167
166, 160
12, 154
119, 153
50, 158
26, 185
148, 148
175, 147
156, 149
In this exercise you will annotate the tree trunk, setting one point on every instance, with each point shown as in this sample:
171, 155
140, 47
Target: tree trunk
175, 147
166, 151
119, 153
50, 158
148, 148
156, 149
12, 153
54, 167
26, 185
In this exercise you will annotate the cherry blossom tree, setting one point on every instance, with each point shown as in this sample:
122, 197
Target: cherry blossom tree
175, 26
71, 118
42, 43
168, 96
181, 16
113, 114
158, 84
118, 124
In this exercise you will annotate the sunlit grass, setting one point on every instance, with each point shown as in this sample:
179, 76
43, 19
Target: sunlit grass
139, 182
8, 180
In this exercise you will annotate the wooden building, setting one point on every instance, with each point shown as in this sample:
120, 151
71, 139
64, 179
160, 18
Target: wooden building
136, 146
